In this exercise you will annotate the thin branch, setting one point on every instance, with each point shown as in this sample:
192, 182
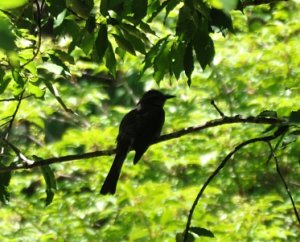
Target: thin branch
219, 168
221, 121
283, 181
209, 124
39, 34
14, 99
212, 102
14, 116
18, 153
11, 121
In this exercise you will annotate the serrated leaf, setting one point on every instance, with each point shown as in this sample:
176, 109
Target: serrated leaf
201, 232
124, 44
139, 9
294, 117
177, 53
101, 42
110, 58
153, 52
188, 62
137, 43
49, 178
204, 48
162, 61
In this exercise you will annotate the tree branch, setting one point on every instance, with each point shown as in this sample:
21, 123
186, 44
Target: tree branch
267, 139
283, 181
174, 135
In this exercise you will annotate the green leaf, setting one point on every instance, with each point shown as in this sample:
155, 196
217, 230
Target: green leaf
204, 48
201, 232
146, 28
34, 89
101, 42
139, 9
156, 9
17, 77
110, 58
7, 42
136, 42
162, 61
294, 117
90, 24
229, 4
12, 4
177, 53
170, 6
49, 178
221, 20
104, 7
188, 62
59, 19
124, 44
153, 52
268, 113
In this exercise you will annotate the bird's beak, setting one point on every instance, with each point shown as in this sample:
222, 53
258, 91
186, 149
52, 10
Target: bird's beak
167, 96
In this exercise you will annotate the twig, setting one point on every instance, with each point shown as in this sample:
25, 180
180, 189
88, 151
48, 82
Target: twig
18, 153
212, 123
283, 181
219, 168
10, 122
14, 99
212, 102
39, 29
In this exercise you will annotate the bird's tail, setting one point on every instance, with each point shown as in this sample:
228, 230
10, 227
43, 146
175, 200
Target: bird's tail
110, 183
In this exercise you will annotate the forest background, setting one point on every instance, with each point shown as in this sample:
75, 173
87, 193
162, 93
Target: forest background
70, 70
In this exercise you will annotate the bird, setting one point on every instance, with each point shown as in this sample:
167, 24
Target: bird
137, 131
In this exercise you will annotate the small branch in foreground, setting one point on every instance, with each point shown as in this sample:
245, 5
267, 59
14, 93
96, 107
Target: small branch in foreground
212, 102
283, 181
174, 135
267, 139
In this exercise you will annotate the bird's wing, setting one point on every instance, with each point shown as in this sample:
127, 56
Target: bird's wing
129, 126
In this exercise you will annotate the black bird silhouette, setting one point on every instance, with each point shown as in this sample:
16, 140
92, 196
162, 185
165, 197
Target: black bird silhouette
138, 129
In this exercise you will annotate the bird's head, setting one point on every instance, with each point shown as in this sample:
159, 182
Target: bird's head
154, 98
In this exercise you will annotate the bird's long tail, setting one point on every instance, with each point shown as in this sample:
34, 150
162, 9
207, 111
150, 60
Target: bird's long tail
110, 183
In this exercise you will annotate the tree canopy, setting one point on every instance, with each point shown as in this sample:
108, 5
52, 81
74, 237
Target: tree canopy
227, 165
